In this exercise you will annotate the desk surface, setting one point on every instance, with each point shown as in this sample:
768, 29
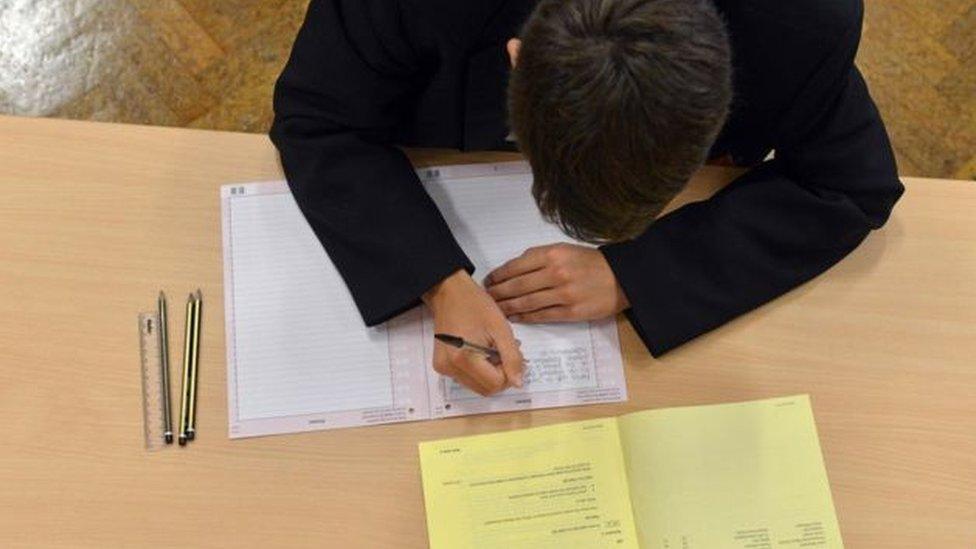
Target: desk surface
95, 219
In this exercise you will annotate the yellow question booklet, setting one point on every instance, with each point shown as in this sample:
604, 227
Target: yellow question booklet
748, 475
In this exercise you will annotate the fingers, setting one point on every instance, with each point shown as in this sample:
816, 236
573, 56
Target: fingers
475, 372
482, 372
454, 364
531, 260
508, 347
521, 285
470, 383
559, 313
532, 302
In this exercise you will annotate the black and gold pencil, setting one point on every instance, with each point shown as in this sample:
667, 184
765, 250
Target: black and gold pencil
187, 345
191, 422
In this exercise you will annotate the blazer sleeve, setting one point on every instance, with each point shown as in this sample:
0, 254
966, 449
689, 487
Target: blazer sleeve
833, 180
349, 80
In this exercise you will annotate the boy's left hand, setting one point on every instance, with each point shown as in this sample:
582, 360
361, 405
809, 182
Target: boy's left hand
556, 283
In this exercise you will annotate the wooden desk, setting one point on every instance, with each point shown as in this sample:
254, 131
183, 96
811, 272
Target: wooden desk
96, 218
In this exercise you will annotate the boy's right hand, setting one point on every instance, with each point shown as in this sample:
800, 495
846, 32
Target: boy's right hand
461, 307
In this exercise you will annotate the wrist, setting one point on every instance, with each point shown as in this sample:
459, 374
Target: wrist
622, 302
449, 285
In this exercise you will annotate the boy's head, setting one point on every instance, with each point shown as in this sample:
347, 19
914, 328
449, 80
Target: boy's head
616, 103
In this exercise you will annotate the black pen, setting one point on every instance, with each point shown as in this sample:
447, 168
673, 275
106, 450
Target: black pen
456, 341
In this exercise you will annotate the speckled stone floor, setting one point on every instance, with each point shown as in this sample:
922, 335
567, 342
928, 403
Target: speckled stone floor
212, 63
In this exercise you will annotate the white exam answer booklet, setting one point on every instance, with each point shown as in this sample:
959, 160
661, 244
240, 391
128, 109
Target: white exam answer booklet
299, 357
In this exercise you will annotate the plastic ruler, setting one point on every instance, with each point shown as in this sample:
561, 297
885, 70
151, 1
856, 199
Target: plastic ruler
152, 384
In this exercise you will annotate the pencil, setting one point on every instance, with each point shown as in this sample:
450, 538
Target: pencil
191, 432
164, 370
184, 402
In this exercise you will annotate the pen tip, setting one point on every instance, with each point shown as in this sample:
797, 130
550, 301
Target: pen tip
162, 295
199, 294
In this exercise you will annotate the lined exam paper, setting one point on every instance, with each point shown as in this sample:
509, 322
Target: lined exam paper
300, 358
297, 351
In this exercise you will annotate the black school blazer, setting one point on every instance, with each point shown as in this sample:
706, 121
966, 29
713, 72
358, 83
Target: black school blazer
367, 76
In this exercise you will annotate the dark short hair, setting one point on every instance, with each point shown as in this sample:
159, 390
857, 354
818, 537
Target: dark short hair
616, 103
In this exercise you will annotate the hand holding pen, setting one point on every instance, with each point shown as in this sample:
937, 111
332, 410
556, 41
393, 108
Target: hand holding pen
460, 306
